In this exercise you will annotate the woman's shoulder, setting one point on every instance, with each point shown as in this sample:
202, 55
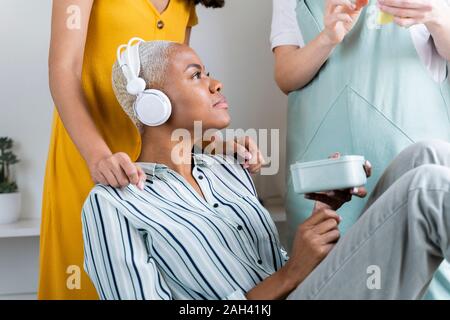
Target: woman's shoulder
110, 196
101, 194
229, 168
221, 161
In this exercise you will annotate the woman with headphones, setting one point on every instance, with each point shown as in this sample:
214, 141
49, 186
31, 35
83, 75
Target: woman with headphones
93, 140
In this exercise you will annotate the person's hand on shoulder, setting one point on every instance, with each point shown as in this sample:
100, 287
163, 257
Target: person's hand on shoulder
117, 170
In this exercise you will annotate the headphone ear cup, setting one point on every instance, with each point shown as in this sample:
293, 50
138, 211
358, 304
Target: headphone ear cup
153, 108
136, 86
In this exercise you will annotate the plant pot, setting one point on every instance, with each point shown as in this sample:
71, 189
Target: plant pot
9, 207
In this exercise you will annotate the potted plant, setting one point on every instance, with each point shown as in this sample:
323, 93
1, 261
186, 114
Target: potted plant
9, 195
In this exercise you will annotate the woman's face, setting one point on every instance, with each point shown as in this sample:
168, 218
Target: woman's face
193, 94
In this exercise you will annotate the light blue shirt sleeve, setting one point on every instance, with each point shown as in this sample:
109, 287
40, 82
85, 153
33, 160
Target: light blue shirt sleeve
236, 295
116, 255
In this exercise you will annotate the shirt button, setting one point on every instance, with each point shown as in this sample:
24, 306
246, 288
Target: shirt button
216, 205
259, 261
160, 24
200, 177
239, 227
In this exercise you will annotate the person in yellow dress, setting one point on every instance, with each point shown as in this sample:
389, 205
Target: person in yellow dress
93, 140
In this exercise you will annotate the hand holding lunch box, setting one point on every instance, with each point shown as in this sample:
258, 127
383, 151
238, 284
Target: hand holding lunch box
332, 182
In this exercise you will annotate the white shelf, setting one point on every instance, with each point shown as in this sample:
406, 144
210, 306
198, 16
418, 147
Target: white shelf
19, 296
21, 228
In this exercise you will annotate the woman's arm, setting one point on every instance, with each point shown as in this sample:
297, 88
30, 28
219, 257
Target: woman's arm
65, 66
108, 239
313, 241
435, 14
440, 31
295, 67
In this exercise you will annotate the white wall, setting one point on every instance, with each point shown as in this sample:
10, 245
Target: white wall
233, 43
26, 105
25, 115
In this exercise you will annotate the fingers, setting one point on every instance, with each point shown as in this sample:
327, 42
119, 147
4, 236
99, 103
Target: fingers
256, 160
322, 215
106, 172
142, 177
332, 4
405, 22
256, 167
117, 163
326, 226
242, 153
360, 192
119, 171
99, 178
133, 173
407, 12
248, 150
129, 168
424, 5
120, 175
340, 17
403, 13
331, 236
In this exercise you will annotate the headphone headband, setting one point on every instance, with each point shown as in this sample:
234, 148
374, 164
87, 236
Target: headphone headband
152, 107
131, 66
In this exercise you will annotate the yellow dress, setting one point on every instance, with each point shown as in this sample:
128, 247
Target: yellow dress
67, 179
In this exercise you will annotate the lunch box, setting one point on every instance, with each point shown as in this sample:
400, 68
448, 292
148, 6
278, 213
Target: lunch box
329, 174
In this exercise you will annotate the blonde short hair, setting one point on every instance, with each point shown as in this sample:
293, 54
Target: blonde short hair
154, 58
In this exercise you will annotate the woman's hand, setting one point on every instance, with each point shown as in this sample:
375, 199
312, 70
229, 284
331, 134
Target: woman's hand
245, 148
313, 241
337, 198
340, 17
410, 12
118, 171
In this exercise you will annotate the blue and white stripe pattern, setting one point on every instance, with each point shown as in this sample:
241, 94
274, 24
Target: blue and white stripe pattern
168, 242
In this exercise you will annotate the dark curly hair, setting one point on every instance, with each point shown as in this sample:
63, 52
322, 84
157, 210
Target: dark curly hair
211, 3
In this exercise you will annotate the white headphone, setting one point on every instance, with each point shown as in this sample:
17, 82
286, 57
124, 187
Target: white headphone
152, 107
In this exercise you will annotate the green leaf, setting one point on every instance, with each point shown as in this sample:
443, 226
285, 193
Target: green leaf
8, 187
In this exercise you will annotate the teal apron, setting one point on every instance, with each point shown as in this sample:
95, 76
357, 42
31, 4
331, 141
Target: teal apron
373, 97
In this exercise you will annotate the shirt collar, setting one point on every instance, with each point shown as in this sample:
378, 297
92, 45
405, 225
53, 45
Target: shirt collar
160, 170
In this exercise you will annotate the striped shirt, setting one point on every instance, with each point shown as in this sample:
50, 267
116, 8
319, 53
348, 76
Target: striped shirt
168, 242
